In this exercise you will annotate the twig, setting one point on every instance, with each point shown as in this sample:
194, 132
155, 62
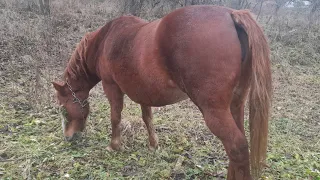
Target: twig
22, 158
9, 160
260, 10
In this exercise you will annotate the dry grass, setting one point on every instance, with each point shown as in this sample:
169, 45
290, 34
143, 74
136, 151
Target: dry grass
34, 51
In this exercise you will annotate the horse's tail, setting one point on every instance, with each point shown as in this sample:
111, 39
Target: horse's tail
257, 62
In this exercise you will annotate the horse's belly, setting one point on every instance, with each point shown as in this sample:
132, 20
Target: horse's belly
157, 94
169, 97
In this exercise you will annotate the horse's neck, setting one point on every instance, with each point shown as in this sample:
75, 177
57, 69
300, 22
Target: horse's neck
88, 76
82, 82
81, 79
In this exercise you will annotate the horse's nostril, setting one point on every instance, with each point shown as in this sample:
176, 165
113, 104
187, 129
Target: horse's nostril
75, 136
68, 138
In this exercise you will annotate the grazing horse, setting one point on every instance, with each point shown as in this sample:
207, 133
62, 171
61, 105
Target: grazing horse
213, 55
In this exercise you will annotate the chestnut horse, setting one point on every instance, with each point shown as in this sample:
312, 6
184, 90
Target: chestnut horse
213, 55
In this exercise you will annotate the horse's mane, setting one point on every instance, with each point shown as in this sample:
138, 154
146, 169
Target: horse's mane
77, 64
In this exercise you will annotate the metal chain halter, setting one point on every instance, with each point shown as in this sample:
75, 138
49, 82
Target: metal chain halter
76, 99
82, 103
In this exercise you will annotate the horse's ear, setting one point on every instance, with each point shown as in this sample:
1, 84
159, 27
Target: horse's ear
59, 86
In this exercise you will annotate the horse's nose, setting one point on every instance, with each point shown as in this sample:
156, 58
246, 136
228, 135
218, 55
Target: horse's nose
75, 136
68, 138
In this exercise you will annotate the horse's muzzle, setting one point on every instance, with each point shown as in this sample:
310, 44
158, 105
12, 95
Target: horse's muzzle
75, 136
68, 138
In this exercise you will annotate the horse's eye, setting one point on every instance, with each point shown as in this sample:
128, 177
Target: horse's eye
77, 90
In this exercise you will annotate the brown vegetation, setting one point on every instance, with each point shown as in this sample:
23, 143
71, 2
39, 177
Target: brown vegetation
37, 38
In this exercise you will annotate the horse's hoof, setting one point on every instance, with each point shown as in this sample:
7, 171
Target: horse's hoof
153, 142
154, 148
111, 149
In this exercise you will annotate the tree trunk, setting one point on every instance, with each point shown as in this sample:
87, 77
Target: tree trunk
44, 7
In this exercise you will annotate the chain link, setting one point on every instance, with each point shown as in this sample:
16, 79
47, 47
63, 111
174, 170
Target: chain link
76, 99
83, 103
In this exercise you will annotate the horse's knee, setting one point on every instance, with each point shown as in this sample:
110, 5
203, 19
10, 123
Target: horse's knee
239, 161
239, 152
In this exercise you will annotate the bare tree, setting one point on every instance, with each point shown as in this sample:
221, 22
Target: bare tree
133, 6
44, 7
260, 8
315, 6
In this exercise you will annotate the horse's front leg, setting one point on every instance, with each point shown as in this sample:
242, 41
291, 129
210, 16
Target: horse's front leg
147, 118
115, 97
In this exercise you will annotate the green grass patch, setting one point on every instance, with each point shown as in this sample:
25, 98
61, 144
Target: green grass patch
32, 146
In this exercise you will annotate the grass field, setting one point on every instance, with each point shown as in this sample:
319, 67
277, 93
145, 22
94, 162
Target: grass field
32, 144
33, 147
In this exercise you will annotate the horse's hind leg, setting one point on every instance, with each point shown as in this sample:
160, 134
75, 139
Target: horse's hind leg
214, 97
237, 106
222, 124
115, 97
239, 97
147, 118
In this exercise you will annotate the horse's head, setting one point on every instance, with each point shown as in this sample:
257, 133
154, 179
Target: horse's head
74, 108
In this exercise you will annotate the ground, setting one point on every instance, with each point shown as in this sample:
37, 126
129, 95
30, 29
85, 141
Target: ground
32, 144
33, 147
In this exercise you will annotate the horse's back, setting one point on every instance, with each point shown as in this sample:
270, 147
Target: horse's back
123, 31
